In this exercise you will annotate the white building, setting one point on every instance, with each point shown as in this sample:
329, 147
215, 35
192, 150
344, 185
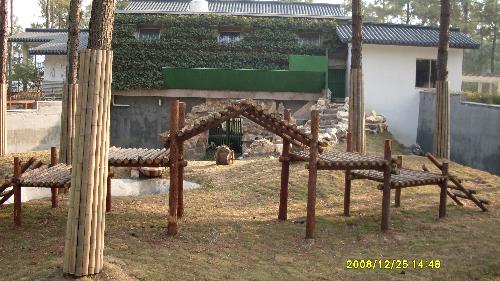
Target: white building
399, 61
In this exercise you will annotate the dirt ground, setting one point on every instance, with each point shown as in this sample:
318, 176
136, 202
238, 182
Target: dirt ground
230, 230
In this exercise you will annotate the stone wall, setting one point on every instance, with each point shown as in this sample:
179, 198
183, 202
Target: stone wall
474, 131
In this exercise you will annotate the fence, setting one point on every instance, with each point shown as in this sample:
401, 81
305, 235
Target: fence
474, 130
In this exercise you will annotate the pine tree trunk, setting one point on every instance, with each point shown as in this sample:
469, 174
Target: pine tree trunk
3, 76
48, 12
442, 120
84, 243
356, 93
70, 90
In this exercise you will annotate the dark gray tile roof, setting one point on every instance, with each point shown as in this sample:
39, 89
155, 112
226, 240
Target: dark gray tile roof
53, 41
406, 35
248, 7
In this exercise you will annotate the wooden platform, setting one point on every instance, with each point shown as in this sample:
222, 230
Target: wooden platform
137, 157
342, 160
405, 178
58, 176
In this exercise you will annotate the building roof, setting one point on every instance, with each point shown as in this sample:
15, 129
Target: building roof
53, 41
242, 7
406, 35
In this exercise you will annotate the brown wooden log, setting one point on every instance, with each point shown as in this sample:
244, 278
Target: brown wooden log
108, 192
386, 193
434, 161
313, 174
174, 171
17, 192
397, 196
443, 195
285, 173
53, 190
452, 196
182, 121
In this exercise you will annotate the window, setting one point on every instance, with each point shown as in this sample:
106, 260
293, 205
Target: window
229, 37
426, 74
149, 33
309, 39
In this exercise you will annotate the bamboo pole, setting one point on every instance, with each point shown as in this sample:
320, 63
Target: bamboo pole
17, 192
285, 172
85, 228
174, 171
357, 110
386, 193
442, 121
313, 174
348, 181
182, 119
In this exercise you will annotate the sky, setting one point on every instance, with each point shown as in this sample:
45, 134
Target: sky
28, 11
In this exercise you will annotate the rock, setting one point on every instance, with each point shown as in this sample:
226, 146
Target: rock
261, 147
375, 119
342, 114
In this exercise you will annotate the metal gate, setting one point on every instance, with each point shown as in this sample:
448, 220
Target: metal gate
229, 133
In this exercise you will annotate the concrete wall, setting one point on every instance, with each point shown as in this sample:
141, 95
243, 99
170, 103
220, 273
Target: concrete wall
31, 130
55, 68
139, 123
389, 83
474, 129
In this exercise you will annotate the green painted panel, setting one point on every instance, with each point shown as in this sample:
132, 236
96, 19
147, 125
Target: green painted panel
244, 80
336, 83
308, 63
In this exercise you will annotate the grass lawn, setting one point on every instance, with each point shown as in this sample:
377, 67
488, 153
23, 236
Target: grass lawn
230, 231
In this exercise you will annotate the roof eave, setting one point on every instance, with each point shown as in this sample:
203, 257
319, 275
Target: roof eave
454, 46
230, 14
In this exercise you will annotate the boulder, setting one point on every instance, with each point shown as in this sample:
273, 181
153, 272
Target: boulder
261, 147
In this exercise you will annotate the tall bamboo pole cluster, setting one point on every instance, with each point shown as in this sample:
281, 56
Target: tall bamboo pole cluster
86, 217
70, 89
356, 91
3, 76
84, 242
441, 143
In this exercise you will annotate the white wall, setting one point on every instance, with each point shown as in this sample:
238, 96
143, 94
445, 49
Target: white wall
32, 130
55, 68
389, 83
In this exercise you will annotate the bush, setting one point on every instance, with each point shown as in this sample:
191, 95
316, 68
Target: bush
483, 98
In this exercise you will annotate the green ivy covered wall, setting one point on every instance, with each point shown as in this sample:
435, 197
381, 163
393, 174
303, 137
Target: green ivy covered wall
192, 41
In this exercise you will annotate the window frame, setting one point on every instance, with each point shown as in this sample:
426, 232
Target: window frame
432, 72
238, 32
302, 35
141, 28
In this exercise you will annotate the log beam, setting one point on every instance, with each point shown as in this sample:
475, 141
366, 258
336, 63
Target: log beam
174, 169
313, 174
285, 173
386, 193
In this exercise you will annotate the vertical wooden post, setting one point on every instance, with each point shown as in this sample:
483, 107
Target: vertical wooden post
348, 182
443, 194
285, 172
182, 120
53, 190
386, 197
397, 198
17, 192
108, 192
313, 174
174, 171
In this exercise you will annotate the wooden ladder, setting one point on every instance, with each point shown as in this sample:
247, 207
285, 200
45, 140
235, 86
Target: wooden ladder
457, 189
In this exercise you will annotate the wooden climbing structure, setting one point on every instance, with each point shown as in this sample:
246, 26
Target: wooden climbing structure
384, 169
35, 173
